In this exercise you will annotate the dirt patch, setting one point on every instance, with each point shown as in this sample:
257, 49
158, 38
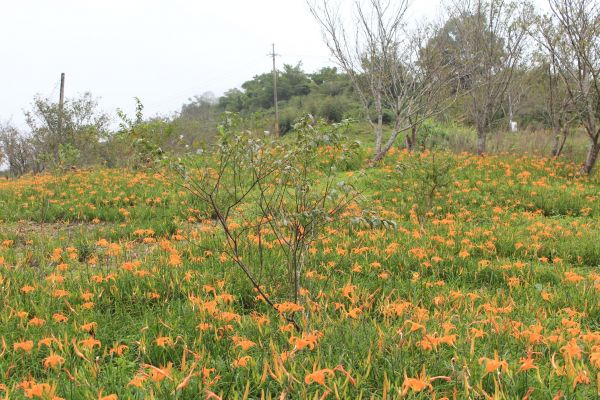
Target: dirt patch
23, 232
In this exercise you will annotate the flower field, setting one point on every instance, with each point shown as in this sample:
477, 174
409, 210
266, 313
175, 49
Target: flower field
118, 285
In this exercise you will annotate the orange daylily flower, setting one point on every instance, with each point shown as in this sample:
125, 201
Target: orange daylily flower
494, 364
415, 384
318, 376
420, 383
118, 350
90, 343
27, 289
571, 349
88, 327
47, 342
159, 374
307, 340
25, 345
137, 381
241, 362
35, 321
243, 343
53, 361
415, 326
288, 307
58, 317
108, 397
595, 356
164, 341
527, 363
582, 377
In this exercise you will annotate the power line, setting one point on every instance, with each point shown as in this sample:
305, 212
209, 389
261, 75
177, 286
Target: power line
53, 92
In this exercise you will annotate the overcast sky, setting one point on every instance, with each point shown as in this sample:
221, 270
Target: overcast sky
162, 51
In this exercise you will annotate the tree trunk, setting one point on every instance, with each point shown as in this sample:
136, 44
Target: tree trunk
481, 138
388, 145
411, 138
555, 145
591, 158
565, 133
559, 143
379, 127
379, 134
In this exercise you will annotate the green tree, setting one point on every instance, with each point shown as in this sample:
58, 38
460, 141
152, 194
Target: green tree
84, 129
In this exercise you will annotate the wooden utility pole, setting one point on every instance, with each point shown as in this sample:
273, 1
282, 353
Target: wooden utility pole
61, 103
275, 92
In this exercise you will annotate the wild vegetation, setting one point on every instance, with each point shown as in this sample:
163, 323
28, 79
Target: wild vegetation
395, 241
446, 276
485, 66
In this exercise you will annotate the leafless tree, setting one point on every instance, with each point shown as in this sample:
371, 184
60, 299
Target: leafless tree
381, 59
486, 43
571, 36
435, 84
559, 109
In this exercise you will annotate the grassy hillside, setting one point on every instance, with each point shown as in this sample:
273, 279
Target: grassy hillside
116, 284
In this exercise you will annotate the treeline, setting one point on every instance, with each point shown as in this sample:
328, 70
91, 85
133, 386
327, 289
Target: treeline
88, 137
325, 93
488, 65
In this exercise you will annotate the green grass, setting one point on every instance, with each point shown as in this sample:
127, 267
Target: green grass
511, 243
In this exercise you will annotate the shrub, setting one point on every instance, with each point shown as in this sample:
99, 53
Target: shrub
432, 135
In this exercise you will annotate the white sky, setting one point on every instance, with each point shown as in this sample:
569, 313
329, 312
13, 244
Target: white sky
162, 51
